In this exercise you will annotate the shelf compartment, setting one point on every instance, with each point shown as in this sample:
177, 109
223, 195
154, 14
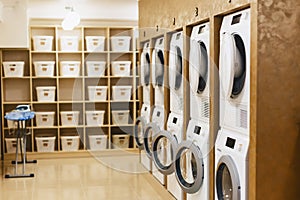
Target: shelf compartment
74, 132
99, 106
46, 132
16, 90
70, 89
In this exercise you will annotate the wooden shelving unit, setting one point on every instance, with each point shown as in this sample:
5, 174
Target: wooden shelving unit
71, 92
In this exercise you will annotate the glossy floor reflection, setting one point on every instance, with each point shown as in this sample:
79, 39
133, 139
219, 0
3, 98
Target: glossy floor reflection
107, 177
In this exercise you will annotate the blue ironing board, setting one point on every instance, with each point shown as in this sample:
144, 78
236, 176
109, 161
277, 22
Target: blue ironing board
20, 117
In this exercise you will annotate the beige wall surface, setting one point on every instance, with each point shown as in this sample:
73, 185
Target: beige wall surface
278, 99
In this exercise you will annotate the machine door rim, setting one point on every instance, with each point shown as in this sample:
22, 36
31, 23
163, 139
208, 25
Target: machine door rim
229, 163
195, 150
169, 169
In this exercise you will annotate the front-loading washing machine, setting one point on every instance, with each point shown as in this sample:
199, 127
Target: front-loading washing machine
173, 135
231, 166
144, 118
234, 135
235, 71
193, 177
158, 114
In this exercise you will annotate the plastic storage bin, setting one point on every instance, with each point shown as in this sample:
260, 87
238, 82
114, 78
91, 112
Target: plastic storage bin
120, 43
42, 43
69, 118
120, 68
45, 144
69, 43
120, 116
11, 144
70, 143
70, 68
44, 119
95, 68
44, 68
13, 69
46, 94
95, 118
98, 142
121, 93
120, 141
95, 43
97, 93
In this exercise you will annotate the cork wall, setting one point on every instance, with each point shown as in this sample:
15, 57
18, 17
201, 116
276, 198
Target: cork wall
278, 100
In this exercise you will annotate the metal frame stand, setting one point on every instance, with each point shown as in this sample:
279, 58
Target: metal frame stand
21, 133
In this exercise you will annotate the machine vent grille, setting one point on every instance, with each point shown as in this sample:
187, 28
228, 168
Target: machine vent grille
205, 109
243, 118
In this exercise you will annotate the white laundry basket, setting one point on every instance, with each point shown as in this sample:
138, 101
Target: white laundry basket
120, 141
70, 68
120, 43
44, 68
95, 118
13, 69
69, 118
46, 94
97, 93
120, 68
121, 92
98, 142
95, 43
95, 68
69, 43
42, 43
44, 119
45, 144
70, 143
120, 117
11, 144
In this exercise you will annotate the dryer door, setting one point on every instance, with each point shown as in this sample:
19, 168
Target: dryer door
175, 68
145, 68
198, 66
150, 132
232, 64
159, 68
164, 146
140, 124
190, 178
227, 179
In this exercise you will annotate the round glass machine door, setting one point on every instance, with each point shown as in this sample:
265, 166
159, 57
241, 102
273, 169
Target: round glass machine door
190, 177
175, 72
199, 66
159, 68
164, 146
232, 64
150, 131
227, 180
139, 131
146, 68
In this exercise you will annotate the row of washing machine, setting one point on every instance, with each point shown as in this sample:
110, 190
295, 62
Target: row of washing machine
186, 163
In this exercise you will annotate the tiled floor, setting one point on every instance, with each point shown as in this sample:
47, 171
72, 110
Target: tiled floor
108, 177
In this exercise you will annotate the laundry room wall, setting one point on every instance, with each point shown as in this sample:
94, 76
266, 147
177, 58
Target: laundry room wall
87, 9
274, 160
278, 100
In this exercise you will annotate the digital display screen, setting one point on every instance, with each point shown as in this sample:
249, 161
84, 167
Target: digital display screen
174, 120
236, 19
197, 130
160, 41
158, 114
230, 142
201, 29
145, 109
178, 36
